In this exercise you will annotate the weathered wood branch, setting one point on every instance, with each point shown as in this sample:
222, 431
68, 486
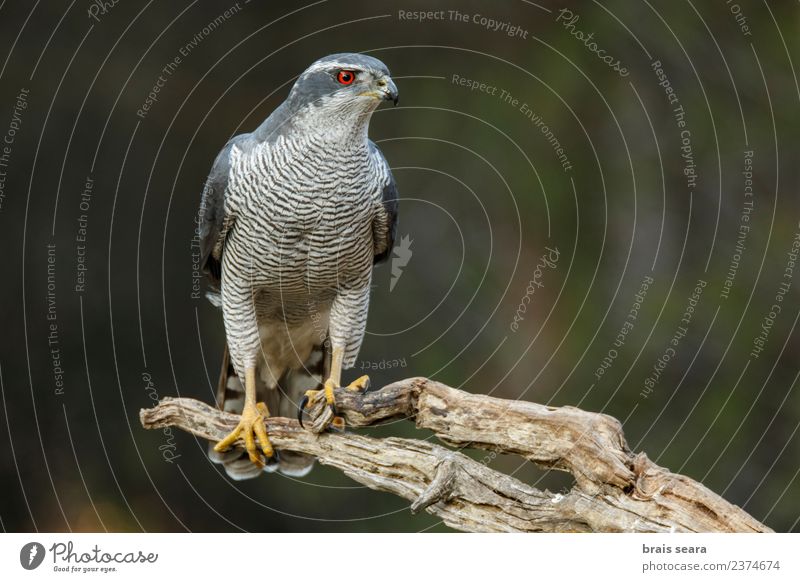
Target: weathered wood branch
615, 489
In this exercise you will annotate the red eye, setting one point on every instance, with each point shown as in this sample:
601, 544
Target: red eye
346, 77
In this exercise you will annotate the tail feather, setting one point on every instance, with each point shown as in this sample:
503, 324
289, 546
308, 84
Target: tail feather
281, 401
292, 387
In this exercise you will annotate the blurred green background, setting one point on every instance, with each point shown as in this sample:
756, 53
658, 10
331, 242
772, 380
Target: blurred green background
558, 150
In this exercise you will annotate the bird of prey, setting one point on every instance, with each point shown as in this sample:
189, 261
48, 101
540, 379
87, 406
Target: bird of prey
293, 217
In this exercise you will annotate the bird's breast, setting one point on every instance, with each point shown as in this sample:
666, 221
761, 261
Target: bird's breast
305, 221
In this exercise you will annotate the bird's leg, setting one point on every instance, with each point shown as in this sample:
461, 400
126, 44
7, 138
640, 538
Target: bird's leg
251, 426
334, 381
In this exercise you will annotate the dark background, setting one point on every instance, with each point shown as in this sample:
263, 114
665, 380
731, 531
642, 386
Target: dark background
483, 193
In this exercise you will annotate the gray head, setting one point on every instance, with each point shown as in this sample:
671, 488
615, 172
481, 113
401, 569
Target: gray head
351, 83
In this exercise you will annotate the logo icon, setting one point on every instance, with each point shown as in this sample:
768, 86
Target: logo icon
402, 254
31, 555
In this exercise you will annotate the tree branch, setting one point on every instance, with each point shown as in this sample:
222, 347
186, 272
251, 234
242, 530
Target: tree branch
615, 489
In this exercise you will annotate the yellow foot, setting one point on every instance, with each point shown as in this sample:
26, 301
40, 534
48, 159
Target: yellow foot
359, 385
250, 427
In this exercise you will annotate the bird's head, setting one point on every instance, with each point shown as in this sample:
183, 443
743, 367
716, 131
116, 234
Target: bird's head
345, 85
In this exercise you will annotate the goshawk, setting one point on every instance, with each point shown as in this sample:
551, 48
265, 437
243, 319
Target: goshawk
293, 217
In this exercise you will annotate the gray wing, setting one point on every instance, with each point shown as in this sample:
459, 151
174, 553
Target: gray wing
214, 224
384, 227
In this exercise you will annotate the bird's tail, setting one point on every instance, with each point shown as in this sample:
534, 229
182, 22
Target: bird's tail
281, 401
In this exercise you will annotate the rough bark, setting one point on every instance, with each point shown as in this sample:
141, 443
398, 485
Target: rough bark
615, 490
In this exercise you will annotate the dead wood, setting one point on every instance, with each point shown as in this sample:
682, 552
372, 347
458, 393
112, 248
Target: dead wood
615, 489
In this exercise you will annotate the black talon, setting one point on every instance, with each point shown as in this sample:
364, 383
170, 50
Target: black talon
333, 408
300, 410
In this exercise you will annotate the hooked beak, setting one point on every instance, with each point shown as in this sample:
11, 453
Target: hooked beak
387, 90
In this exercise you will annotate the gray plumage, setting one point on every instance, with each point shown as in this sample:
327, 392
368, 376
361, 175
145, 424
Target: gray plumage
293, 217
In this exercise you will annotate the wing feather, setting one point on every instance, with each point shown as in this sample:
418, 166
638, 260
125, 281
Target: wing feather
213, 222
384, 227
